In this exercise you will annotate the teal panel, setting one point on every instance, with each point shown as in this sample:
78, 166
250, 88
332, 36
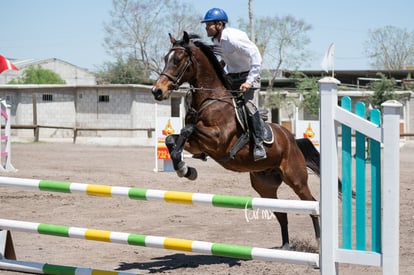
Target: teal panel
360, 175
375, 153
346, 164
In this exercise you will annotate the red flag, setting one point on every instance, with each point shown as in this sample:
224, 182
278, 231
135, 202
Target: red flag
5, 64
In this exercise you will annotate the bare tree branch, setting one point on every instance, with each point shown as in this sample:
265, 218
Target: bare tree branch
138, 29
282, 42
390, 48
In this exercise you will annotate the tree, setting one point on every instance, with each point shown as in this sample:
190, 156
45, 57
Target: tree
390, 48
38, 75
139, 31
123, 72
282, 42
308, 87
383, 90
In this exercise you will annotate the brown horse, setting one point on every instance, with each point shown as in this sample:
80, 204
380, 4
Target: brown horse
212, 129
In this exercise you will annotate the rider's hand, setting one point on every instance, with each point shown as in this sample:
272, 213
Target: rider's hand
245, 86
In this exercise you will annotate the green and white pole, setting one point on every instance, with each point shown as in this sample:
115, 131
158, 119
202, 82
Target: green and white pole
51, 269
216, 249
226, 201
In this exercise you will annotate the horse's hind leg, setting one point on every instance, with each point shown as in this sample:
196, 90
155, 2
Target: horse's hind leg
266, 184
297, 178
316, 227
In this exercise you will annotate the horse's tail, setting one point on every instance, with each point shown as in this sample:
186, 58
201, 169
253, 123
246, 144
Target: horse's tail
313, 159
312, 156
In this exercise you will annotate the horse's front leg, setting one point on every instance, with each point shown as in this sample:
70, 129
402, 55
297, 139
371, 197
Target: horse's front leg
175, 145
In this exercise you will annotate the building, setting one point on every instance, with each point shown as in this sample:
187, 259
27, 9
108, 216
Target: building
83, 109
354, 83
95, 111
73, 75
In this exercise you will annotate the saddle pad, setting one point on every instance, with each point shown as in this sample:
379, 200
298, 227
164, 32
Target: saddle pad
268, 137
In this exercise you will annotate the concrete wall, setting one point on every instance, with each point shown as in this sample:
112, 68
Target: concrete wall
97, 106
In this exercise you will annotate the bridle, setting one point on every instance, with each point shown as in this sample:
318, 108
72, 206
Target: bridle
177, 79
194, 112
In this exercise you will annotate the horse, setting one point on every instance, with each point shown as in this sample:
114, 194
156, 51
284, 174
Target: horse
211, 129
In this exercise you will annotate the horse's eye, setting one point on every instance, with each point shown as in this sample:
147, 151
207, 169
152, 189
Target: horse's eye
177, 59
174, 57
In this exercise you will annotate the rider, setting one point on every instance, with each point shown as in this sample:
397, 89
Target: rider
242, 61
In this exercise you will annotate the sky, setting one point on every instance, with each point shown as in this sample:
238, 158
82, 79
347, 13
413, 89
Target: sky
72, 30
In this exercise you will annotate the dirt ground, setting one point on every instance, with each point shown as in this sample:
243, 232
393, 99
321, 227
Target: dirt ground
133, 166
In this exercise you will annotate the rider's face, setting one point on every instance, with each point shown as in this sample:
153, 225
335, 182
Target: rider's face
211, 29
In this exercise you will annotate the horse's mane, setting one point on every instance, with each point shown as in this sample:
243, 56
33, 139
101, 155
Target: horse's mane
210, 52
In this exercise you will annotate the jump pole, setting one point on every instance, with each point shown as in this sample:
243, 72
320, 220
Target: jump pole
51, 269
216, 249
225, 201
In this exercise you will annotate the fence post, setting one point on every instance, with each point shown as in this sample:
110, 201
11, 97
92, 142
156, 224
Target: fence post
329, 176
5, 161
391, 187
36, 127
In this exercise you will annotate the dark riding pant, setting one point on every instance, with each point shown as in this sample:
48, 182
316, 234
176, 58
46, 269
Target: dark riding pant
251, 100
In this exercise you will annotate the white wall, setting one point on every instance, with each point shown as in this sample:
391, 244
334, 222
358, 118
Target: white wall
129, 106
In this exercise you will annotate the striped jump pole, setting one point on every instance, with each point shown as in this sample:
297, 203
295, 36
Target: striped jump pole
51, 269
226, 201
216, 249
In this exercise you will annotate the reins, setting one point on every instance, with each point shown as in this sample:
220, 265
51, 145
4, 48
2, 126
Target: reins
207, 102
205, 89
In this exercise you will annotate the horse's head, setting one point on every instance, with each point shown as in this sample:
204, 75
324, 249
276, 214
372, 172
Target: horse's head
178, 68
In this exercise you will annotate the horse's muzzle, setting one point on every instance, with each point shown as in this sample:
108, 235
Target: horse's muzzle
157, 92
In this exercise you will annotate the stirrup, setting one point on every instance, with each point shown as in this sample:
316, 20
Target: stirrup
259, 153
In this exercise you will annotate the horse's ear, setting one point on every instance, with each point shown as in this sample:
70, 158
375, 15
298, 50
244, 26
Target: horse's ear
172, 39
186, 38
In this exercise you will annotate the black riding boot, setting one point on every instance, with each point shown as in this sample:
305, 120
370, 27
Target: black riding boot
259, 151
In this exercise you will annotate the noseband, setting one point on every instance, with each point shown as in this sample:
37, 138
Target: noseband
176, 79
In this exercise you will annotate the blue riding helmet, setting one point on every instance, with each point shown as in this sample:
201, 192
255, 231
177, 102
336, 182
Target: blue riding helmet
215, 14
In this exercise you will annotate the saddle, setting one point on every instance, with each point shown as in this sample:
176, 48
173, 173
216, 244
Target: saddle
241, 115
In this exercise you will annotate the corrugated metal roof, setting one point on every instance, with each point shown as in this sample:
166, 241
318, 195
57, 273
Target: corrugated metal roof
24, 63
79, 76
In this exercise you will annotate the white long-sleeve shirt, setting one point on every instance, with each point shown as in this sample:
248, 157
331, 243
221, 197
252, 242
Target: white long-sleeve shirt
239, 53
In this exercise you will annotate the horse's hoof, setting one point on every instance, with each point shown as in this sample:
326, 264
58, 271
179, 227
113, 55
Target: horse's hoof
182, 172
191, 173
286, 246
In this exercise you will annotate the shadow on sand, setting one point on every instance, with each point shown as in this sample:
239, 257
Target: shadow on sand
176, 261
